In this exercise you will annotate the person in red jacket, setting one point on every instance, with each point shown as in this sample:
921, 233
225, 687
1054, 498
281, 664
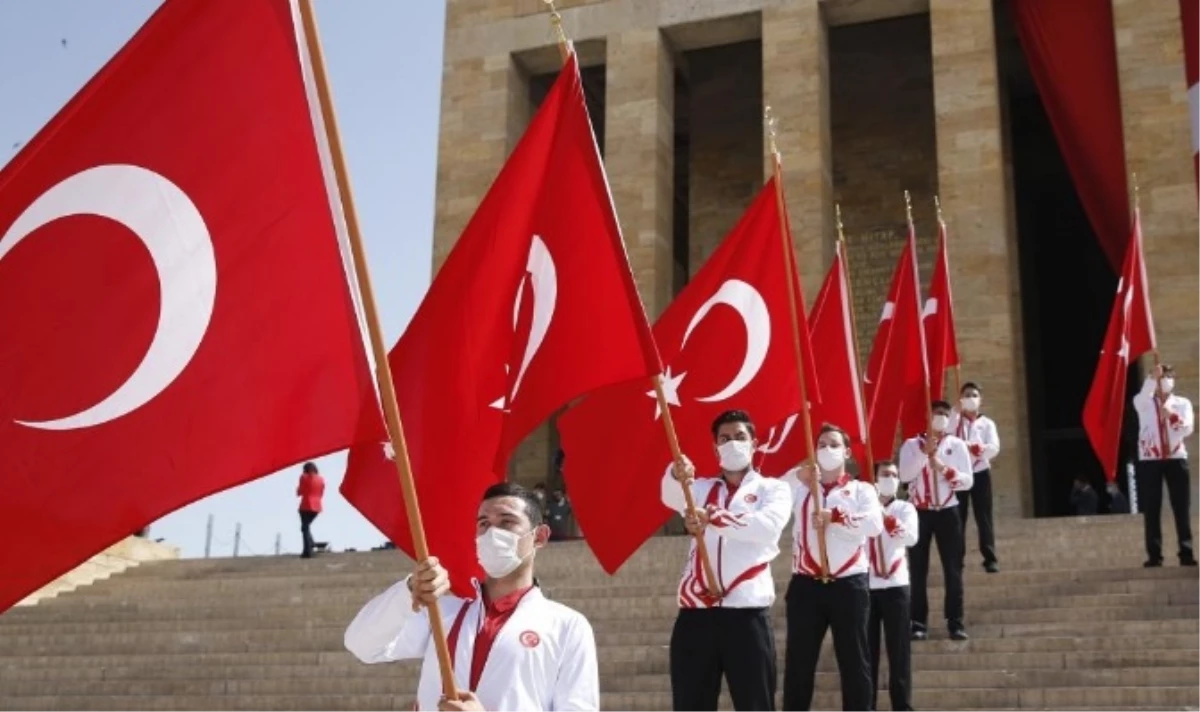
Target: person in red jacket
310, 490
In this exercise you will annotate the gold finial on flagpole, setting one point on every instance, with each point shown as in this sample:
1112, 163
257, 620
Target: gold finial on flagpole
837, 211
1137, 195
937, 203
908, 206
771, 135
556, 21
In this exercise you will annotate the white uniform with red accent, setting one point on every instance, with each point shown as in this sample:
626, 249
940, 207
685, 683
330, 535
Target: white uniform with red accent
1161, 437
928, 489
889, 550
980, 435
544, 658
742, 538
857, 516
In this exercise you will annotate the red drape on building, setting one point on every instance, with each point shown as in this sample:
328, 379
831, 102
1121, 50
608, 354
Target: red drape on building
1072, 55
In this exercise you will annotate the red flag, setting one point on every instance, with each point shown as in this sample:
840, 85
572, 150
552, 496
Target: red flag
941, 342
177, 318
836, 363
1189, 15
1130, 334
898, 370
535, 306
727, 340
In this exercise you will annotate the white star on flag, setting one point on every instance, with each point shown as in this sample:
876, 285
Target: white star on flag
670, 390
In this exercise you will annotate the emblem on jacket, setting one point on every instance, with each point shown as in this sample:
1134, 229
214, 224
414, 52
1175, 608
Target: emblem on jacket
751, 498
530, 639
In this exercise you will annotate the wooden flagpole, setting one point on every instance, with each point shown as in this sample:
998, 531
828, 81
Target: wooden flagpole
842, 253
712, 583
387, 390
789, 267
946, 235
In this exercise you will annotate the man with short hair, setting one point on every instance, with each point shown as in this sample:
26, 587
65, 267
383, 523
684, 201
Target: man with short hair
1165, 420
513, 649
937, 465
891, 602
979, 432
837, 597
727, 632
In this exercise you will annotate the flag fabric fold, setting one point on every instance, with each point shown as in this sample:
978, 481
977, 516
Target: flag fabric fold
897, 374
177, 315
727, 343
535, 306
1130, 334
941, 340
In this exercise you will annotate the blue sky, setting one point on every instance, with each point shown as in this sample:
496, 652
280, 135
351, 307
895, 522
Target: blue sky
384, 59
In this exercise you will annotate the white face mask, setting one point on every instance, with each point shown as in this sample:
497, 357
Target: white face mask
735, 455
887, 486
831, 458
940, 423
497, 552
970, 405
1167, 384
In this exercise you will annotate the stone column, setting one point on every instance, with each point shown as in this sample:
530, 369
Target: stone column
1154, 108
640, 156
796, 86
982, 238
485, 108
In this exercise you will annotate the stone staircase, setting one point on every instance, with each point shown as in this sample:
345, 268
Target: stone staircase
1072, 622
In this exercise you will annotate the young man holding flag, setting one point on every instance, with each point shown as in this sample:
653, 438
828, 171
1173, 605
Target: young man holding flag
937, 465
513, 649
741, 515
1165, 420
891, 602
983, 441
829, 589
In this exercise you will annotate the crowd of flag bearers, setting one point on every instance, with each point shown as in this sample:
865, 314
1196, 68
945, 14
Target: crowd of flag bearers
534, 311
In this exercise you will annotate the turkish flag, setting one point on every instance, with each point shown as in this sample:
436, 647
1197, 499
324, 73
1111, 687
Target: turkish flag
898, 370
176, 310
836, 365
941, 342
727, 340
535, 306
1130, 334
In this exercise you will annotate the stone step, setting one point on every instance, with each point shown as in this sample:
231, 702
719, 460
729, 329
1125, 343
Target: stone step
964, 699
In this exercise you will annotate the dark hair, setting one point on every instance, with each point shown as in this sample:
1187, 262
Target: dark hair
944, 405
1167, 369
831, 428
732, 416
310, 467
968, 386
533, 507
882, 464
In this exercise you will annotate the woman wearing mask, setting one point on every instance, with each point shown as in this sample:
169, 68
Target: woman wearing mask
839, 597
741, 516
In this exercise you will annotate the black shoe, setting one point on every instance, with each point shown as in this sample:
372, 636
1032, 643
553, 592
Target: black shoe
957, 632
306, 556
919, 634
991, 567
1190, 561
1152, 564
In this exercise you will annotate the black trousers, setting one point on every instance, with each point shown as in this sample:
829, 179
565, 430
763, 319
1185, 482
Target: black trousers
945, 525
738, 643
890, 611
1150, 475
813, 607
981, 494
306, 520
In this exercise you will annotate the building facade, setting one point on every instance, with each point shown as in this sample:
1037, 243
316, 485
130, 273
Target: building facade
872, 98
